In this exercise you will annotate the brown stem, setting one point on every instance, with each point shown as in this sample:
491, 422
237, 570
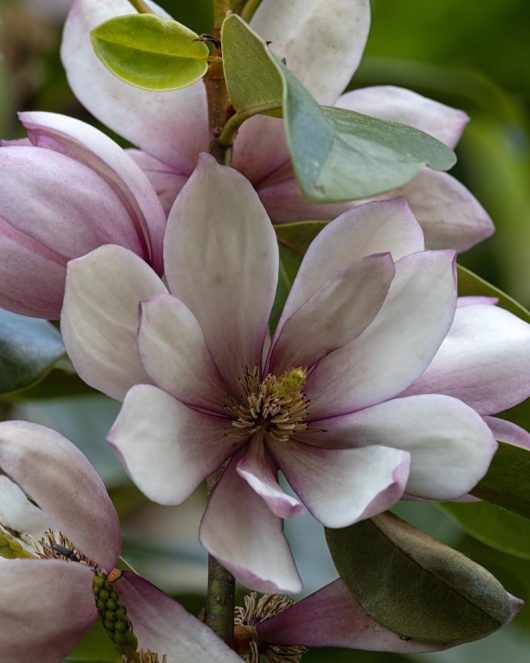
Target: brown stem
219, 614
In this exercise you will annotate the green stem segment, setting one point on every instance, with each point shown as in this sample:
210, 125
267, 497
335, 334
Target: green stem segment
220, 600
140, 6
248, 10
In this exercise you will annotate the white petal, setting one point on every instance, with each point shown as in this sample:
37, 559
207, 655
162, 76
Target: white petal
221, 260
166, 447
450, 445
484, 361
99, 320
242, 533
398, 345
172, 126
19, 514
173, 351
343, 486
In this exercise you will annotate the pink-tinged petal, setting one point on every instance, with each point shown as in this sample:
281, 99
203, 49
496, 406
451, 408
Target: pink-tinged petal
507, 431
484, 361
450, 445
473, 301
19, 514
172, 126
221, 259
165, 180
399, 344
451, 217
47, 607
240, 530
322, 42
336, 314
99, 152
174, 353
342, 486
32, 276
164, 627
60, 479
332, 617
260, 472
387, 227
397, 104
167, 448
99, 320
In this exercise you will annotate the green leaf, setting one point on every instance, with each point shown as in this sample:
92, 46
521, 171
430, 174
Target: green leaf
415, 585
492, 525
507, 482
473, 285
338, 155
289, 264
96, 647
150, 52
11, 547
28, 349
298, 236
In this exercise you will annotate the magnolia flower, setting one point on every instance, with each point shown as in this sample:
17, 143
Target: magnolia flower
63, 192
323, 44
51, 496
365, 317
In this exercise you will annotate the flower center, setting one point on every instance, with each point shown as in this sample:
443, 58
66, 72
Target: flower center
276, 405
257, 609
53, 546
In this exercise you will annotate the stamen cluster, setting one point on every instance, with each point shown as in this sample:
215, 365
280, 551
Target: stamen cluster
276, 406
53, 546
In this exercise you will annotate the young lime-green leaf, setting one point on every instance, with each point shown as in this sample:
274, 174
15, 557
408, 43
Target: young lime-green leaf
415, 585
28, 350
507, 482
473, 285
10, 546
338, 155
492, 525
150, 51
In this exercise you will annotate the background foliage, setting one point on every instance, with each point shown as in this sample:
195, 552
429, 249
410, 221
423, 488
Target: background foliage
472, 55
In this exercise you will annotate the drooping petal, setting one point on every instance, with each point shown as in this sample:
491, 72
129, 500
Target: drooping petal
398, 345
240, 530
92, 147
221, 260
332, 617
60, 479
336, 314
381, 227
174, 353
172, 126
260, 472
166, 447
484, 361
450, 445
507, 431
47, 607
164, 627
342, 486
165, 180
99, 319
387, 102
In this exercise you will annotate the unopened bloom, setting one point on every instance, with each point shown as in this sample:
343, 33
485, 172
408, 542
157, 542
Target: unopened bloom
322, 43
58, 524
364, 318
66, 190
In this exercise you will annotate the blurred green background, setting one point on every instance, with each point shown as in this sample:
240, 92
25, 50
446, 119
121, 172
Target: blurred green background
473, 55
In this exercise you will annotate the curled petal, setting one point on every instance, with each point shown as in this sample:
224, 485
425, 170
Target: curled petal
99, 320
343, 486
240, 530
158, 122
164, 627
166, 447
47, 607
60, 479
507, 431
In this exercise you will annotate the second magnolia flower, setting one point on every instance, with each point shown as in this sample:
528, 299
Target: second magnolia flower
367, 313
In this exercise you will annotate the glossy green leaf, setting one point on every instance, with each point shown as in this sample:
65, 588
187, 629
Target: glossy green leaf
28, 349
474, 285
150, 52
507, 482
337, 154
415, 585
493, 526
